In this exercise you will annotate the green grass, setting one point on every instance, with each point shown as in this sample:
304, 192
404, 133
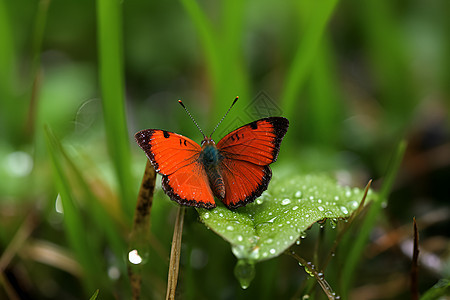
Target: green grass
110, 45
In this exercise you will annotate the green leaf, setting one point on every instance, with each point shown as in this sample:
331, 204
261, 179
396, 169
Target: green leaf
440, 289
94, 296
266, 228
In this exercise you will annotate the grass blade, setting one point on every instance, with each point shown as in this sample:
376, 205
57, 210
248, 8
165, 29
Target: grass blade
73, 221
305, 54
109, 26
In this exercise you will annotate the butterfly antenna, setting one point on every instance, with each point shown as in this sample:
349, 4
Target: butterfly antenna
192, 118
236, 99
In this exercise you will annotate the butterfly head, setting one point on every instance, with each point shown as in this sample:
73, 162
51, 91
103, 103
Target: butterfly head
207, 141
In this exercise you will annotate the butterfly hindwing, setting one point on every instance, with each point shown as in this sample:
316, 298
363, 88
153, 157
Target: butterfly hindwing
175, 157
247, 153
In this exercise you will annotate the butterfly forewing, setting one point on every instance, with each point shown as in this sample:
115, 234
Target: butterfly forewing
257, 142
176, 158
246, 153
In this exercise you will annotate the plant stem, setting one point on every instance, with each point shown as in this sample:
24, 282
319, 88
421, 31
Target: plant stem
175, 254
414, 267
311, 270
141, 225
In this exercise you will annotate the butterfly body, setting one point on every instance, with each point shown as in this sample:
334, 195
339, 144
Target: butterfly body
211, 158
235, 170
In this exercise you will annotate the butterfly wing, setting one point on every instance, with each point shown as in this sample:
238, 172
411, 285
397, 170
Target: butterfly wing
175, 157
247, 153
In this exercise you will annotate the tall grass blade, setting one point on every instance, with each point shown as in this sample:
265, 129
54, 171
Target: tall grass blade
222, 52
7, 73
109, 26
305, 54
73, 221
103, 221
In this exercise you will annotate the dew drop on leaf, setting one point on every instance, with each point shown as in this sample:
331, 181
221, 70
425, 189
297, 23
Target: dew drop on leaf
354, 204
285, 201
333, 223
244, 272
344, 210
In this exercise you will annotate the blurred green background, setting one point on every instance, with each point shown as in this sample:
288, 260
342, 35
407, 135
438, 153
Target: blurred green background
79, 78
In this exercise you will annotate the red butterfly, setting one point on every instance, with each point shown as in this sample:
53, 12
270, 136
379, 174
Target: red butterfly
236, 170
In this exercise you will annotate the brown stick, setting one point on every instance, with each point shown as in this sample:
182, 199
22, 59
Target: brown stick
175, 252
310, 269
414, 266
141, 225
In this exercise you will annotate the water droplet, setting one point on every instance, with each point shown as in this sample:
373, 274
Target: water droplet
134, 257
18, 164
113, 272
320, 208
295, 207
272, 251
298, 194
240, 238
336, 198
319, 201
344, 210
303, 235
271, 220
354, 204
285, 201
58, 205
221, 214
310, 273
206, 215
230, 228
259, 201
333, 223
348, 193
244, 272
